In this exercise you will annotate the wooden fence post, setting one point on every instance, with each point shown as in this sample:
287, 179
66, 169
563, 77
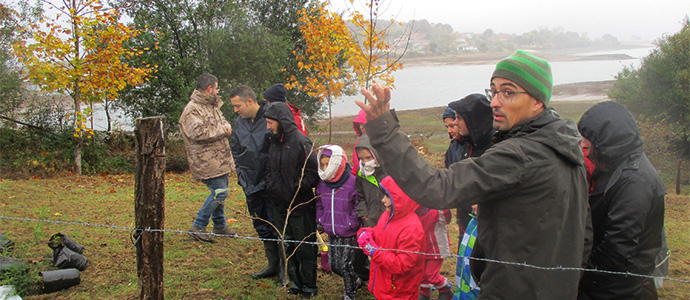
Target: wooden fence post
149, 206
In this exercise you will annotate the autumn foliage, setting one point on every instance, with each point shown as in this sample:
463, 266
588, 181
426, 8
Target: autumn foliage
329, 45
338, 58
374, 60
82, 55
79, 52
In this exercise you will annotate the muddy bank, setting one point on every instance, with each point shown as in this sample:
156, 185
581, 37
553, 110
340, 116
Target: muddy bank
596, 90
551, 55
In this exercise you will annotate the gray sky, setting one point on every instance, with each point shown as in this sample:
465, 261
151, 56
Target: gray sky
648, 19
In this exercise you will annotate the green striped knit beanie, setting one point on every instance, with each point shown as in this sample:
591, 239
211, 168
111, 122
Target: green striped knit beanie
530, 72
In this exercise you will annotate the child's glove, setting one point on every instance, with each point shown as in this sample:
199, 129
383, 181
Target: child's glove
364, 234
365, 239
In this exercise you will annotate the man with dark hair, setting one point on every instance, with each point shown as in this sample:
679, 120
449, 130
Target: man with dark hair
247, 143
292, 173
530, 186
205, 134
627, 204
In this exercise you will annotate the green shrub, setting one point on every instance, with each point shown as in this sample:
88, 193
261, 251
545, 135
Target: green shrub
25, 280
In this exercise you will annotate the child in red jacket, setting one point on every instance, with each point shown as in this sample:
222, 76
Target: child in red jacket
434, 222
395, 274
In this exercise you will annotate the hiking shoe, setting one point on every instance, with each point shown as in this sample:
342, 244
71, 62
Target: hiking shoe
199, 234
224, 232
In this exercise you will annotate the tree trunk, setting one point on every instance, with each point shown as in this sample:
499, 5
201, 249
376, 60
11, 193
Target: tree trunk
678, 177
330, 120
107, 112
149, 206
79, 142
76, 96
91, 117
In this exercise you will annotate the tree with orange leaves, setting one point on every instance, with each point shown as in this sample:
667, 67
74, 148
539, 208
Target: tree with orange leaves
329, 47
81, 57
374, 60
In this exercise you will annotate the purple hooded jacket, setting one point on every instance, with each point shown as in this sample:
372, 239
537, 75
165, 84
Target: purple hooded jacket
336, 209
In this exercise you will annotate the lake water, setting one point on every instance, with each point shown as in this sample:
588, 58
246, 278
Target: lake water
431, 86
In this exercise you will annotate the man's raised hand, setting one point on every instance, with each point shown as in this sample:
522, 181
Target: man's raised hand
378, 104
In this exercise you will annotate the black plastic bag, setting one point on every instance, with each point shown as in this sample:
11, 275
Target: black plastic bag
64, 258
6, 245
6, 263
59, 279
60, 239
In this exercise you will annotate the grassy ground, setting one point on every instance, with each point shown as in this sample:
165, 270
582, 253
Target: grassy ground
221, 270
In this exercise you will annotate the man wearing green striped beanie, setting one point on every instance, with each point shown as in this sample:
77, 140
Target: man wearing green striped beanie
519, 77
530, 186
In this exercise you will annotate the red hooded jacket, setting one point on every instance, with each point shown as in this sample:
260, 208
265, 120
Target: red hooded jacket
394, 274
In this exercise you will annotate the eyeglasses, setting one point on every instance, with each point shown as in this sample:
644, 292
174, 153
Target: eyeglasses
504, 96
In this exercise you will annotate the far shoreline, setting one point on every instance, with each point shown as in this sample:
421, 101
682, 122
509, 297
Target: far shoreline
551, 55
579, 92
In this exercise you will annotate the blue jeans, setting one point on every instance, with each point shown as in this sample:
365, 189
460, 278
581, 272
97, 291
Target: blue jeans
213, 208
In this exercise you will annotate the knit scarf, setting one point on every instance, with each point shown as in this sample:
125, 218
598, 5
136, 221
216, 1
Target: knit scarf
343, 178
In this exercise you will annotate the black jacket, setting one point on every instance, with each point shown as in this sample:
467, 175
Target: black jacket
627, 206
247, 143
288, 152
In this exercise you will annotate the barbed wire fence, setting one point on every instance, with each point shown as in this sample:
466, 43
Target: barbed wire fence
136, 232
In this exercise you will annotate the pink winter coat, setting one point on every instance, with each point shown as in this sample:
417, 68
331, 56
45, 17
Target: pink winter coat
393, 274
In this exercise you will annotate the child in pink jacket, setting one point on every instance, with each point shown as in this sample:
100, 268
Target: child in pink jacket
395, 271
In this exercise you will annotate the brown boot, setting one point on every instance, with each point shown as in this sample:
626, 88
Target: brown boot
199, 234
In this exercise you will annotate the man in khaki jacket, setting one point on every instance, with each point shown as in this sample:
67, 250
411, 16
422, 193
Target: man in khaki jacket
204, 131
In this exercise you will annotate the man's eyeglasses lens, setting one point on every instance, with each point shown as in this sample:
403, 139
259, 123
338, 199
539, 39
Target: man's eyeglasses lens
505, 96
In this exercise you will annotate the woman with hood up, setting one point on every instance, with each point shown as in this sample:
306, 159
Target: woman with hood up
627, 206
291, 175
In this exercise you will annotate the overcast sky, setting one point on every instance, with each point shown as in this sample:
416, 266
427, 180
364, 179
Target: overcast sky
647, 19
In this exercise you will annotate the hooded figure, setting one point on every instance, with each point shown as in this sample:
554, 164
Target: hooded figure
335, 208
397, 274
335, 211
292, 173
370, 174
286, 155
477, 119
627, 205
